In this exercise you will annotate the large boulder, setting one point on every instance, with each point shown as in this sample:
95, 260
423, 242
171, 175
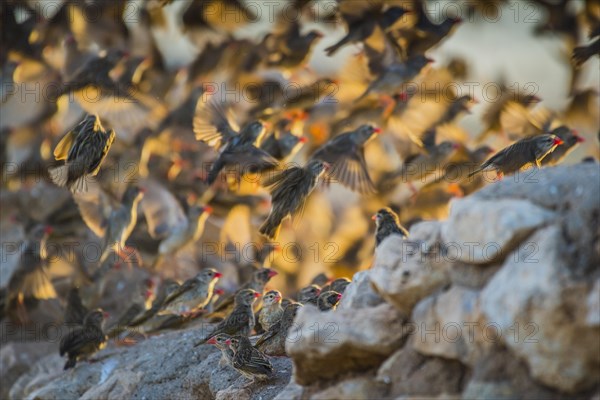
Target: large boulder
360, 293
483, 232
535, 302
406, 271
325, 345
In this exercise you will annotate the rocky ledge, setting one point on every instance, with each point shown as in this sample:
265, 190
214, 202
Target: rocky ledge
501, 300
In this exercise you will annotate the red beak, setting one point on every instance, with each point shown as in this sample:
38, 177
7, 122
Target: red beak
558, 141
148, 294
48, 230
218, 274
579, 139
208, 209
377, 130
228, 342
339, 296
212, 341
105, 315
373, 217
219, 291
257, 295
272, 273
303, 139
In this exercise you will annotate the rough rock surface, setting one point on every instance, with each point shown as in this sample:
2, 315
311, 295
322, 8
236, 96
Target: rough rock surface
421, 322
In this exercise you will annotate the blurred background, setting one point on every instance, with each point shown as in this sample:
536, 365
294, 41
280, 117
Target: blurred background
500, 52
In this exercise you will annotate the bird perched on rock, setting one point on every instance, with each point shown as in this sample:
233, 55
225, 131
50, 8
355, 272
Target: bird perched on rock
570, 139
289, 191
83, 148
328, 300
195, 293
248, 360
260, 278
309, 295
85, 340
337, 285
346, 155
271, 310
241, 320
213, 125
272, 342
387, 223
520, 155
220, 341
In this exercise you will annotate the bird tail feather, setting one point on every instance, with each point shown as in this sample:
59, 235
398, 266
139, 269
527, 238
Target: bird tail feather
270, 229
59, 175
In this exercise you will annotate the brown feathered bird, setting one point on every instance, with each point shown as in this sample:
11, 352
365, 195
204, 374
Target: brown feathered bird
241, 320
248, 360
346, 155
271, 311
328, 301
387, 223
520, 155
289, 191
273, 341
83, 149
85, 340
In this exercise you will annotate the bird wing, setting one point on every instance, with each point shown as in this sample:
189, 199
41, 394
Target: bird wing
162, 210
268, 334
61, 152
250, 158
95, 207
348, 164
213, 122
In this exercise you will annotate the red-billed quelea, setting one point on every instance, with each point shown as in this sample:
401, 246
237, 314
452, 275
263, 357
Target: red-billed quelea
271, 310
241, 320
83, 148
289, 191
346, 155
85, 340
194, 294
248, 360
525, 152
387, 223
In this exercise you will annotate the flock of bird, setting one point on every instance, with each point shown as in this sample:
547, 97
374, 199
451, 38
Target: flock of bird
156, 92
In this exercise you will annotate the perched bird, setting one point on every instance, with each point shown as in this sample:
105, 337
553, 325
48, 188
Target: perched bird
85, 340
387, 223
309, 294
337, 285
195, 293
520, 155
289, 191
260, 277
328, 300
570, 139
83, 149
271, 310
345, 153
238, 148
241, 320
220, 341
272, 342
248, 360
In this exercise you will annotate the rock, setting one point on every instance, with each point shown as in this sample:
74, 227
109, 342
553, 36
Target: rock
405, 271
472, 276
158, 367
326, 345
292, 391
16, 358
360, 293
483, 232
534, 301
360, 388
450, 325
571, 191
592, 317
408, 373
499, 374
